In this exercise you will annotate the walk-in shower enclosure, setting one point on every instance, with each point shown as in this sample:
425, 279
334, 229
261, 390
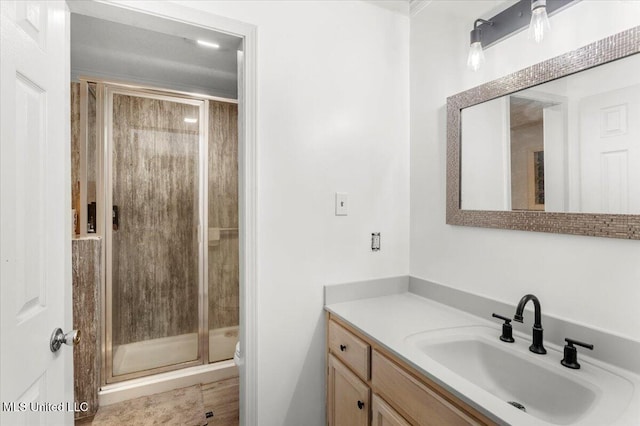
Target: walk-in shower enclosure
159, 181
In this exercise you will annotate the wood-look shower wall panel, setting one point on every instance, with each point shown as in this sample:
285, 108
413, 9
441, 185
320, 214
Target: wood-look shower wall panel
177, 186
92, 143
223, 280
155, 186
75, 144
86, 257
91, 165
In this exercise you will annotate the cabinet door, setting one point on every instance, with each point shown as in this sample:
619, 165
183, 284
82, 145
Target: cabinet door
347, 397
383, 415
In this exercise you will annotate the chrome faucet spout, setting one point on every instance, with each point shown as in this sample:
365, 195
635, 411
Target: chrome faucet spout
536, 346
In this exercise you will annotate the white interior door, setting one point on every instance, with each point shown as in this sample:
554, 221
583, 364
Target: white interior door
555, 163
35, 207
610, 151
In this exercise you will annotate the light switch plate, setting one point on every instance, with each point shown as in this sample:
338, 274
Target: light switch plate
341, 203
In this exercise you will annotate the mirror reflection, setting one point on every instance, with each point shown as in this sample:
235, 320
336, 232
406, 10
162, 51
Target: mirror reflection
570, 145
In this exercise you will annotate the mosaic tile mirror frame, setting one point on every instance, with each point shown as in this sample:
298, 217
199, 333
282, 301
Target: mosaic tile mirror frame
617, 48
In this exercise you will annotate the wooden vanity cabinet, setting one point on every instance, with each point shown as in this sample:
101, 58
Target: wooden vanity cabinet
348, 398
383, 415
353, 351
348, 366
420, 403
367, 385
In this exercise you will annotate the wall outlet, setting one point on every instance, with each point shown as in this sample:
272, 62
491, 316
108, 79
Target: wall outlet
341, 203
375, 241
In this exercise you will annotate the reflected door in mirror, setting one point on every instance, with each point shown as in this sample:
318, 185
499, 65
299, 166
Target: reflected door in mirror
570, 145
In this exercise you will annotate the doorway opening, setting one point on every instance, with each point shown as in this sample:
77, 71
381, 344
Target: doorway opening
180, 80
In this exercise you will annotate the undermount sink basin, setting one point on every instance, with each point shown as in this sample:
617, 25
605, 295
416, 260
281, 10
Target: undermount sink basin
538, 383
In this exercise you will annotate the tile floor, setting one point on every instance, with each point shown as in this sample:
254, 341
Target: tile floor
186, 406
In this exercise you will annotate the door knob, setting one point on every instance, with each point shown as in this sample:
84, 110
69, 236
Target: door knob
58, 337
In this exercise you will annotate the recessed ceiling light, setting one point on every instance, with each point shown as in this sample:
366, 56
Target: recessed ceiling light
208, 44
190, 120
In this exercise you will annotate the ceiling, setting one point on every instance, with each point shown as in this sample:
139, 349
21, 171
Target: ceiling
526, 111
160, 53
152, 51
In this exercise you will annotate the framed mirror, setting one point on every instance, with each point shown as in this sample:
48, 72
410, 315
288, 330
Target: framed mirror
551, 148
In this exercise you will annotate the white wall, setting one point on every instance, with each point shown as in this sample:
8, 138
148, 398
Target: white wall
556, 165
594, 281
484, 167
333, 115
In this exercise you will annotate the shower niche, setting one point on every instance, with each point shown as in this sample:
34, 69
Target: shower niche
158, 180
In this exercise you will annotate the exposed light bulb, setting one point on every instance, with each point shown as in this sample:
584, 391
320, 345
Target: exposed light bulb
539, 20
476, 56
476, 53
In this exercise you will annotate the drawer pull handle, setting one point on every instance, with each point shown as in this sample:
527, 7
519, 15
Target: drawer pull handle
343, 348
360, 405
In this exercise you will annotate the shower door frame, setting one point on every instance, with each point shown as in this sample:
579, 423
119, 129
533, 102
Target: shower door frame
109, 90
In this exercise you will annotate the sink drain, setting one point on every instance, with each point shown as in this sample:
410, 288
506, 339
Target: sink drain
518, 405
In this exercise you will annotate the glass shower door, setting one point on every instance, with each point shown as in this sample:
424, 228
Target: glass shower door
153, 254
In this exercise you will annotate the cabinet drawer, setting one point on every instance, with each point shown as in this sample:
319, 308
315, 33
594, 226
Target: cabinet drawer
352, 350
419, 402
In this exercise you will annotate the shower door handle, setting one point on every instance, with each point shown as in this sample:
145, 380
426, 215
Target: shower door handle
115, 215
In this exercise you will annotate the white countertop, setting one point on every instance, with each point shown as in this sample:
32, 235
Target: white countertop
389, 320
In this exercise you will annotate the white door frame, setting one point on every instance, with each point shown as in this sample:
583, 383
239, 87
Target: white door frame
247, 171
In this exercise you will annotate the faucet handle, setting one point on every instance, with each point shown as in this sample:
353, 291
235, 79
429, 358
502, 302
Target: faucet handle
505, 319
507, 330
575, 342
570, 359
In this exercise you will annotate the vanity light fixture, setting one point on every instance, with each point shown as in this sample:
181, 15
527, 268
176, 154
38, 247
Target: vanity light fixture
533, 14
539, 20
476, 53
190, 120
208, 44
